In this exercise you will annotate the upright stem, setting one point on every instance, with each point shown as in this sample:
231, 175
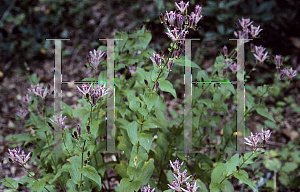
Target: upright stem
82, 164
240, 165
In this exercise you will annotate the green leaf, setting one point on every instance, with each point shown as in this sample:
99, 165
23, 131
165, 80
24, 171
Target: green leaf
218, 173
231, 164
147, 171
145, 141
167, 86
263, 111
10, 183
272, 125
72, 187
91, 173
243, 176
134, 105
121, 169
272, 164
121, 43
127, 185
181, 62
75, 162
67, 110
145, 39
289, 167
132, 132
39, 185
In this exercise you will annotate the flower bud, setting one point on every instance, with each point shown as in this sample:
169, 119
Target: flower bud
226, 155
79, 130
85, 162
224, 72
156, 85
88, 128
161, 17
252, 47
88, 154
260, 100
75, 134
50, 125
170, 65
225, 50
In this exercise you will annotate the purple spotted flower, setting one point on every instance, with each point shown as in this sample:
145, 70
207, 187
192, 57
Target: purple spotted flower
181, 6
259, 55
59, 121
147, 188
96, 57
278, 61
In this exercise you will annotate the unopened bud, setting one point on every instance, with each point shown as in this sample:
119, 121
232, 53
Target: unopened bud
156, 85
224, 72
260, 100
225, 50
88, 154
226, 155
161, 17
238, 168
252, 47
51, 125
88, 128
85, 162
170, 65
187, 152
79, 130
75, 134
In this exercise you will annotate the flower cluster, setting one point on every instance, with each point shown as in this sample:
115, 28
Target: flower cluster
290, 73
147, 188
157, 59
180, 22
233, 66
59, 121
259, 55
259, 139
96, 94
16, 157
96, 57
39, 91
253, 31
22, 112
181, 178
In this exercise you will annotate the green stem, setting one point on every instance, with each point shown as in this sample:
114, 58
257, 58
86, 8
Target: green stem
244, 160
82, 164
32, 176
165, 64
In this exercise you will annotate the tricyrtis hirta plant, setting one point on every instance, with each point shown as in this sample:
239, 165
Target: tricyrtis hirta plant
150, 152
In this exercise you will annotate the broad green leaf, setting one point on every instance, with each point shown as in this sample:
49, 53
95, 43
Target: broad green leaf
127, 185
231, 164
68, 140
67, 110
263, 111
150, 98
121, 43
134, 105
10, 183
218, 173
91, 173
39, 185
75, 162
181, 62
121, 169
289, 167
284, 178
167, 86
243, 176
272, 164
145, 141
132, 132
72, 187
147, 171
216, 187
145, 39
